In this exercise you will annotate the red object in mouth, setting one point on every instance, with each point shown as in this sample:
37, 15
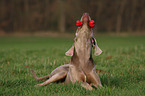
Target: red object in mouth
79, 23
85, 20
92, 23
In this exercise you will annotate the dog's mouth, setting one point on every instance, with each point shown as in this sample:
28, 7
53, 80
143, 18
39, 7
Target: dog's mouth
84, 25
85, 19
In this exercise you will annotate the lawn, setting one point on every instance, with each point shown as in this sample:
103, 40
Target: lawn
123, 60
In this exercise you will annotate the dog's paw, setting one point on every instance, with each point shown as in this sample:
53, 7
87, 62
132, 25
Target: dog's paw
86, 86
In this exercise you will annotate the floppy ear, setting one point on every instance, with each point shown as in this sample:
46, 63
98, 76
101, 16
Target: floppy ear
70, 51
98, 51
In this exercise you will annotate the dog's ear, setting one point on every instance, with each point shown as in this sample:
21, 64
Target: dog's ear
98, 51
70, 51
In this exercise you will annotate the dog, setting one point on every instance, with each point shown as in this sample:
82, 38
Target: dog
81, 68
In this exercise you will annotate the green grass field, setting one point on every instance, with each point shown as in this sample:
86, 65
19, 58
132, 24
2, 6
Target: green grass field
123, 60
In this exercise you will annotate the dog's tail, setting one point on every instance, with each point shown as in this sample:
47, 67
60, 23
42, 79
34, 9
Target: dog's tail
34, 74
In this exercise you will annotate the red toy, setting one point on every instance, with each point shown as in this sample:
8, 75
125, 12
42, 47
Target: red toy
91, 23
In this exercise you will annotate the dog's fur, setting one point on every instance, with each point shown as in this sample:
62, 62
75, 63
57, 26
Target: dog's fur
81, 68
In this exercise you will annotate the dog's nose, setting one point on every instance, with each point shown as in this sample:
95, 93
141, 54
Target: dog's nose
85, 17
85, 14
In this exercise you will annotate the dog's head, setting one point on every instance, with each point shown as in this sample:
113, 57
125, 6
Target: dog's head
84, 30
84, 34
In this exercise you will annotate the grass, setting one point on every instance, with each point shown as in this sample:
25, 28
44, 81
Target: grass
123, 60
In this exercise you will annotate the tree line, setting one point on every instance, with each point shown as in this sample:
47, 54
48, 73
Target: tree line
61, 15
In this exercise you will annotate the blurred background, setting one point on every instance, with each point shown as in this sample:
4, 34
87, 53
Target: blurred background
59, 16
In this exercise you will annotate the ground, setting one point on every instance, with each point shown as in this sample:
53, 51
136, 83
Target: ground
122, 62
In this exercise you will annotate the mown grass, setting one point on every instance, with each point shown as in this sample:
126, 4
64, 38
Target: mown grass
123, 60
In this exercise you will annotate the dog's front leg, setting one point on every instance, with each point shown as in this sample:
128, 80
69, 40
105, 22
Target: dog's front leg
94, 79
86, 86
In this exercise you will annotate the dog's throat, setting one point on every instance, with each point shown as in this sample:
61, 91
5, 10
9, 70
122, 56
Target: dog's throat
82, 48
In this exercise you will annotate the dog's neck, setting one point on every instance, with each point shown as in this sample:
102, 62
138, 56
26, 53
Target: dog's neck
83, 46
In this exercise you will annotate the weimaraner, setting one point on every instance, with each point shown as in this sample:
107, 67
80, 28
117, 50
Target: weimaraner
81, 68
